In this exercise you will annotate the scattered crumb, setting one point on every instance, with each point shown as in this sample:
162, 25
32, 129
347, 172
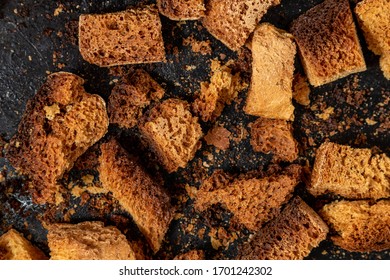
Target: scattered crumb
371, 122
326, 114
218, 137
58, 10
202, 47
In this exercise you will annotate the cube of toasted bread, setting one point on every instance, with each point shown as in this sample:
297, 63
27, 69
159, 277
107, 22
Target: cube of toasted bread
328, 43
270, 93
128, 37
145, 200
351, 173
191, 255
88, 241
130, 96
232, 21
253, 201
290, 236
173, 133
59, 124
360, 226
182, 9
13, 246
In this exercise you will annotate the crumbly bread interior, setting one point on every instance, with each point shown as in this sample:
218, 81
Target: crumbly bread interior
182, 9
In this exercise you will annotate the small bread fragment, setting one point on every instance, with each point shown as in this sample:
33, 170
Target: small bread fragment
182, 9
59, 124
13, 246
88, 241
276, 137
360, 226
349, 172
385, 65
145, 200
232, 21
128, 37
270, 93
130, 96
173, 133
252, 200
328, 43
191, 255
290, 236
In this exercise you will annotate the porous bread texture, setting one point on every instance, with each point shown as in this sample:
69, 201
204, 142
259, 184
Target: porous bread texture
359, 226
350, 172
129, 37
173, 133
130, 96
146, 201
191, 255
328, 43
59, 124
182, 9
385, 65
88, 241
273, 55
232, 21
253, 201
290, 236
13, 246
276, 137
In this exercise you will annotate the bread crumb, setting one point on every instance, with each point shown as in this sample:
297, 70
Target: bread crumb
58, 10
326, 114
371, 122
218, 137
202, 47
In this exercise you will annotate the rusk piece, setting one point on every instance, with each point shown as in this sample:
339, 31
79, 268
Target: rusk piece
191, 255
290, 236
128, 37
182, 9
270, 93
351, 173
328, 43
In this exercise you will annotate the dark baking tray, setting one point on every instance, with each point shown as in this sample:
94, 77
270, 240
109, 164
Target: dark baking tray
38, 37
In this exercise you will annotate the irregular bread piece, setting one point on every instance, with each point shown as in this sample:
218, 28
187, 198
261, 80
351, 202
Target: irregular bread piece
145, 200
290, 236
182, 9
173, 133
60, 123
351, 173
252, 201
13, 246
88, 241
232, 21
328, 44
128, 37
385, 65
270, 93
191, 255
360, 226
130, 96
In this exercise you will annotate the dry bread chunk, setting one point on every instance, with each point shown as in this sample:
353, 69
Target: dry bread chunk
59, 124
385, 65
88, 241
182, 9
252, 200
13, 246
360, 226
232, 21
128, 37
173, 133
270, 93
351, 173
328, 43
145, 200
130, 96
290, 236
191, 255
276, 137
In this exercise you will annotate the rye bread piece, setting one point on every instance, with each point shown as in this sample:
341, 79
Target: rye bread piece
328, 44
273, 55
191, 255
145, 200
290, 236
359, 226
131, 96
13, 246
172, 133
59, 124
276, 137
232, 21
88, 241
128, 37
349, 172
252, 200
182, 9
